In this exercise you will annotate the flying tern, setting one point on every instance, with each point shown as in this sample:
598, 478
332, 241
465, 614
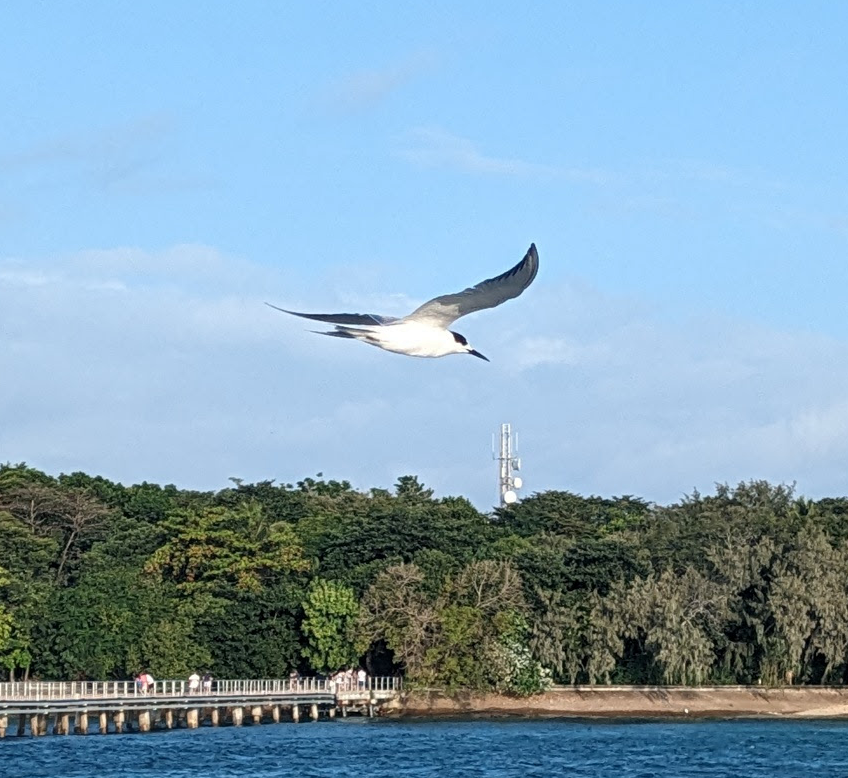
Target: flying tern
425, 333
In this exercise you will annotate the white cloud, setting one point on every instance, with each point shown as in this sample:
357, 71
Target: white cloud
434, 147
363, 89
820, 431
542, 350
124, 158
437, 148
15, 274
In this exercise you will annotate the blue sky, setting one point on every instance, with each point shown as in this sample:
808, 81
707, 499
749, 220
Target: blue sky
167, 167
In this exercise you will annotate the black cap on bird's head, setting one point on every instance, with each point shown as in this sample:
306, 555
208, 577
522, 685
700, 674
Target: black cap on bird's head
463, 341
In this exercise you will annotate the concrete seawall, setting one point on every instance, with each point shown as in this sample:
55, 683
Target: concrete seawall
633, 702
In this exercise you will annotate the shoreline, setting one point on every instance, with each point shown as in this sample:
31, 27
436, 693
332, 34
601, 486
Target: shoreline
634, 702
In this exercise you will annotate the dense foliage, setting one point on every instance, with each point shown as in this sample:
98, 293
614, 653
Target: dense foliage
100, 580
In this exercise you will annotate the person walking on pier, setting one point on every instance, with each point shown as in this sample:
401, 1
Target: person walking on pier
144, 682
207, 683
193, 683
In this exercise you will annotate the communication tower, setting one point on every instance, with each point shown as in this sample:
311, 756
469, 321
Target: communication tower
508, 465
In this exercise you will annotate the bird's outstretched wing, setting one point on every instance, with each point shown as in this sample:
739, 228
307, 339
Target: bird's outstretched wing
444, 310
366, 319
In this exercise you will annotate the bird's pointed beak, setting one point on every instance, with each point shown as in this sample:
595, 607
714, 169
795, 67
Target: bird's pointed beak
477, 354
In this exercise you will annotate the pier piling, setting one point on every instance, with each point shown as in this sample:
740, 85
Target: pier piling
144, 721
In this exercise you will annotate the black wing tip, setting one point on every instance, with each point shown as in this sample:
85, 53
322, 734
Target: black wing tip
531, 258
293, 313
277, 308
357, 319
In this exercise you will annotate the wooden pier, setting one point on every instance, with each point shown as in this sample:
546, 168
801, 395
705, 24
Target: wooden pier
62, 708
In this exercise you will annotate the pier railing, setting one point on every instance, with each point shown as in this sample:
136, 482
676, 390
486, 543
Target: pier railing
106, 690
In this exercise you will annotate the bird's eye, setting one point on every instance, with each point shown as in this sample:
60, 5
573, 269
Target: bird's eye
459, 338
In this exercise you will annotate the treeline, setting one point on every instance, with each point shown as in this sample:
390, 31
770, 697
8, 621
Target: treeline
100, 580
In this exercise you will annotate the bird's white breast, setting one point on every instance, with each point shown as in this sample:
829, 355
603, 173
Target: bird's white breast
416, 339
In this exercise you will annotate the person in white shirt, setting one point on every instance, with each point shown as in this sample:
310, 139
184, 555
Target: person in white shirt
146, 682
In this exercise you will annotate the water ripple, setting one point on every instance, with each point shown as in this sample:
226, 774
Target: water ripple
447, 749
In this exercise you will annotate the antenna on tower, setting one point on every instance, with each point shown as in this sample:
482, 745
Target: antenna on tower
508, 463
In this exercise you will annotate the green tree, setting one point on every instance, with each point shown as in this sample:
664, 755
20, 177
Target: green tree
675, 617
5, 619
472, 634
397, 610
352, 536
568, 514
257, 634
222, 547
330, 611
28, 560
809, 600
560, 633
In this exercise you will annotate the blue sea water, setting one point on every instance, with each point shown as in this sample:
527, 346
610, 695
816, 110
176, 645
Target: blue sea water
446, 748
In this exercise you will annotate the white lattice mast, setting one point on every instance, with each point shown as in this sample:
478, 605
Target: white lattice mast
508, 464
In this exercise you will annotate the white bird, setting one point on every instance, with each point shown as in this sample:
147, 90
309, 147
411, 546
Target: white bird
425, 333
